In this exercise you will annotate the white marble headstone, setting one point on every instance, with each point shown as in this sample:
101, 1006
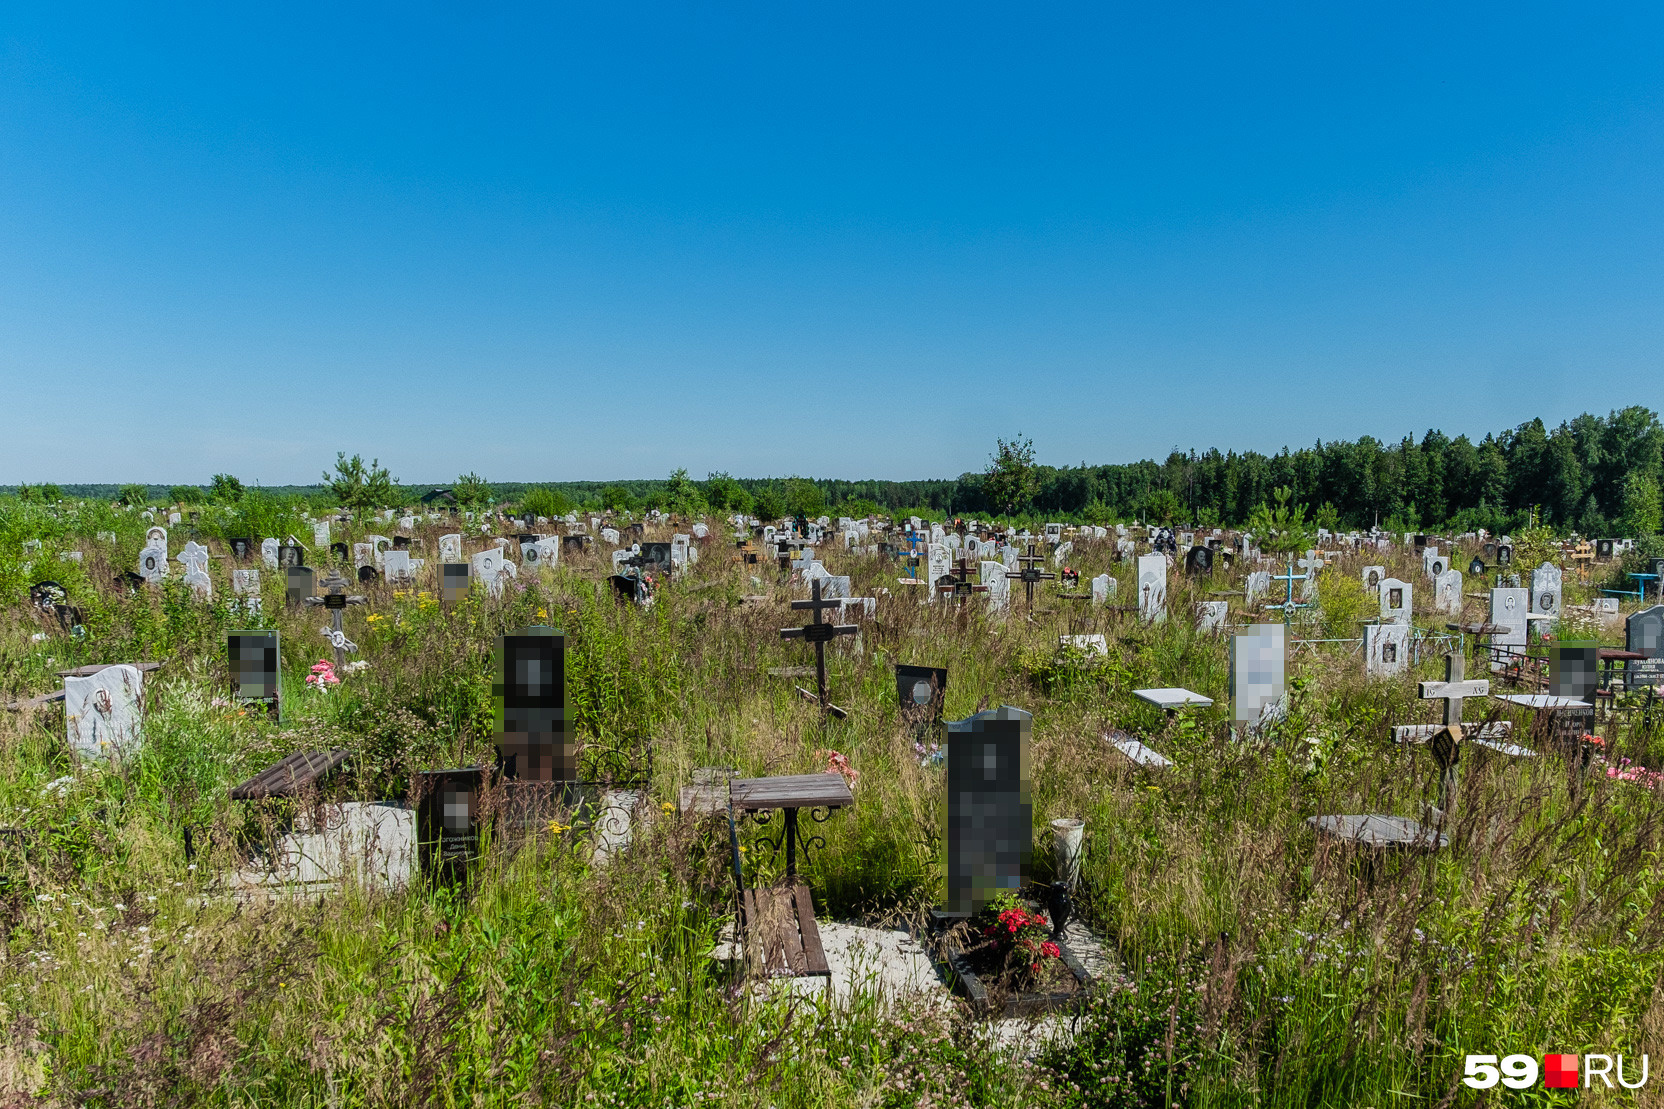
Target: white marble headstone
1397, 601
1257, 583
1509, 607
938, 563
992, 574
156, 537
1447, 593
1103, 588
1061, 553
195, 560
1373, 576
103, 712
1210, 616
1152, 587
153, 564
450, 547
1386, 649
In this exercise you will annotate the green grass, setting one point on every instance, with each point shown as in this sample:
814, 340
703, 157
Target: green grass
1264, 968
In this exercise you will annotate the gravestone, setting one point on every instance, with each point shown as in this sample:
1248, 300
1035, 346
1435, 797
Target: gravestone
491, 569
1603, 550
1504, 554
940, 563
1574, 670
268, 553
992, 575
1447, 593
540, 554
921, 691
1386, 649
399, 567
1211, 615
245, 586
156, 537
1103, 588
368, 575
1476, 568
447, 822
655, 558
1644, 632
290, 555
299, 584
1152, 588
1257, 583
535, 740
1258, 667
1373, 577
256, 669
450, 547
103, 712
990, 815
338, 553
195, 560
364, 554
453, 581
153, 564
1061, 552
320, 534
1508, 609
1545, 590
1397, 599
1198, 562
610, 536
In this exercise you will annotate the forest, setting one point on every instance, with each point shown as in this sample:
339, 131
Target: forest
1595, 475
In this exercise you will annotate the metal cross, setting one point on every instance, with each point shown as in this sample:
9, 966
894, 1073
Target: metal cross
1029, 574
1291, 577
336, 600
819, 633
961, 584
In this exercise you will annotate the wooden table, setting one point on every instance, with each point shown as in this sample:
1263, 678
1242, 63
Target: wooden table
791, 792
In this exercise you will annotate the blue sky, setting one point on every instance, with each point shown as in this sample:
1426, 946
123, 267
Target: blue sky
568, 242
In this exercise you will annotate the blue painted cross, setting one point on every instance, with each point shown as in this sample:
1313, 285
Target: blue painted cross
1291, 577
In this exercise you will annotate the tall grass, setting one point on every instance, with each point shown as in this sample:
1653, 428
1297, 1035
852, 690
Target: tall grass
1263, 966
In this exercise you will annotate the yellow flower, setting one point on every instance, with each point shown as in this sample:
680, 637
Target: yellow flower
542, 614
668, 808
557, 827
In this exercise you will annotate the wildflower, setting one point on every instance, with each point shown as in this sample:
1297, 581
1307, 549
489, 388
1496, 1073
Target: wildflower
357, 666
557, 827
668, 808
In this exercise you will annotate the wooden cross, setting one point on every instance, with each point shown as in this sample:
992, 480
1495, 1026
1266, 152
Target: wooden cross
1445, 745
1030, 573
961, 585
819, 633
335, 600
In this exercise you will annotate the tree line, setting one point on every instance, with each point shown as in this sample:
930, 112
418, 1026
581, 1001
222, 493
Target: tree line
1596, 475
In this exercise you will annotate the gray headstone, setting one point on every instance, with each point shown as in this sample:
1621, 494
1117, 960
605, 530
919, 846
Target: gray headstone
1644, 632
1258, 671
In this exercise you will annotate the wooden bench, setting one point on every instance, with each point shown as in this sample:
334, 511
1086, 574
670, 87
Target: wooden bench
290, 775
777, 926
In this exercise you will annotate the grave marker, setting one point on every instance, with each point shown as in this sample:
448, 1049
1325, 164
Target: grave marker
820, 633
990, 812
103, 712
1258, 664
256, 669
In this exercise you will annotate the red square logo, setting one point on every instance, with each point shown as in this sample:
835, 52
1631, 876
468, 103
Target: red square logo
1560, 1071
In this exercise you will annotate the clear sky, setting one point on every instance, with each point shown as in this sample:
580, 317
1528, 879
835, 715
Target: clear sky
556, 241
